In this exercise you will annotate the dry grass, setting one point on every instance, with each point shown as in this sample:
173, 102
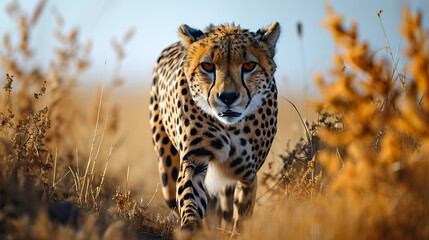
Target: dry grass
54, 173
373, 150
68, 171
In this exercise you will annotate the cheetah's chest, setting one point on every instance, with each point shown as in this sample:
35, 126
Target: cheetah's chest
236, 164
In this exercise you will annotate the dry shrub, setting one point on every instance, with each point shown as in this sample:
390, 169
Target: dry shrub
71, 59
145, 223
48, 90
375, 163
47, 193
34, 204
301, 176
385, 132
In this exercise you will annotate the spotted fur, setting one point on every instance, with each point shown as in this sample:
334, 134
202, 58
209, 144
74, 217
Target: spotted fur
212, 129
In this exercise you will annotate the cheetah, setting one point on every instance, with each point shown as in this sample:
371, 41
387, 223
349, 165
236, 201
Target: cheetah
213, 114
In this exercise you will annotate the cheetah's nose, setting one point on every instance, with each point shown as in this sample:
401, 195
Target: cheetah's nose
228, 97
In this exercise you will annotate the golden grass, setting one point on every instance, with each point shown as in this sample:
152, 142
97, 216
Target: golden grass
360, 171
374, 154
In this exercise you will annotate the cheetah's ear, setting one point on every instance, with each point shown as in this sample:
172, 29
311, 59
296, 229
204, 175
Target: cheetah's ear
190, 35
269, 34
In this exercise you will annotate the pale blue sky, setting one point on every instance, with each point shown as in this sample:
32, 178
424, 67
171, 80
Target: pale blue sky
156, 24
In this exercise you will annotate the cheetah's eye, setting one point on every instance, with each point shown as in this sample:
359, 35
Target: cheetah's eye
208, 67
248, 67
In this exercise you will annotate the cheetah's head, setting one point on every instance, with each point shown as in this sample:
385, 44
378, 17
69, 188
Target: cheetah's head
229, 69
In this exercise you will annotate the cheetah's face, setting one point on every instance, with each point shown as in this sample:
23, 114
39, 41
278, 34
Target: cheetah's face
229, 69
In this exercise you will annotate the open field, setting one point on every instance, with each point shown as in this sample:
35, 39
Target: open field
136, 149
77, 162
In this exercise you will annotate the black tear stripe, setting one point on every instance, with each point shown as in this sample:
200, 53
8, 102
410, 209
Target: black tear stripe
210, 90
245, 86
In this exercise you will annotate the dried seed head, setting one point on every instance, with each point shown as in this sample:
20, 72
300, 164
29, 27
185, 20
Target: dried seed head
6, 43
73, 35
58, 18
8, 85
41, 92
13, 9
120, 54
38, 11
25, 33
299, 29
87, 48
128, 35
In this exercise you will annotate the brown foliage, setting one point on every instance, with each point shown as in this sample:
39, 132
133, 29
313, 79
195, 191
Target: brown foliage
45, 193
376, 163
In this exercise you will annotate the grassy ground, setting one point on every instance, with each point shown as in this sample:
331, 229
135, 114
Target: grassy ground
72, 168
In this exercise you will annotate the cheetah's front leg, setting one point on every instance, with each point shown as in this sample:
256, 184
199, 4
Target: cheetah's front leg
191, 197
244, 201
